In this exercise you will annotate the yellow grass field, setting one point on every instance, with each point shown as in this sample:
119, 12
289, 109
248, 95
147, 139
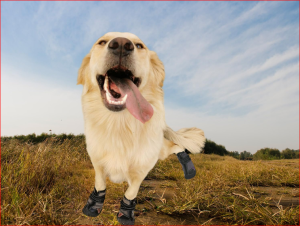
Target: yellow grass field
49, 183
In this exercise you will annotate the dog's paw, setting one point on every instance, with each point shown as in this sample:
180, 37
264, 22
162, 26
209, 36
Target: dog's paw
94, 204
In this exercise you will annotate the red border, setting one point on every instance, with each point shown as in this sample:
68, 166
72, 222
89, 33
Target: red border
151, 1
0, 113
134, 1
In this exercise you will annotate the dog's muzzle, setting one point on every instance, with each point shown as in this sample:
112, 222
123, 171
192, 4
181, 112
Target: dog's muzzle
121, 47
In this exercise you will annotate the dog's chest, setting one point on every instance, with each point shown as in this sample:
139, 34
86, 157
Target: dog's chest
123, 153
125, 141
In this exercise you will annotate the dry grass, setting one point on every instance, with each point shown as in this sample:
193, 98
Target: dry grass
223, 189
49, 183
38, 181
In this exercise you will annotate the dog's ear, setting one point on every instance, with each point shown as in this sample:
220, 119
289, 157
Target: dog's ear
84, 71
158, 69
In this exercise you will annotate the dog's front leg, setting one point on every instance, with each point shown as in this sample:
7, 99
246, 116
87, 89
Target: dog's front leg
100, 178
128, 203
96, 200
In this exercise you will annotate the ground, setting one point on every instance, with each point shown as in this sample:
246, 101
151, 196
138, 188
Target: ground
49, 183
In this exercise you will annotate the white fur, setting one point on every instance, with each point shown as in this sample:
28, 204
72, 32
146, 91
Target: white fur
120, 146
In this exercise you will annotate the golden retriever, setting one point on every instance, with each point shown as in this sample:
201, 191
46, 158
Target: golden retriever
125, 127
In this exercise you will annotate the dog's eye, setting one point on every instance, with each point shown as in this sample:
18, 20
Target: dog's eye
102, 43
139, 46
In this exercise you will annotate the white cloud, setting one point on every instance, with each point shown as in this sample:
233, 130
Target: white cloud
273, 61
239, 59
250, 132
254, 93
291, 53
29, 106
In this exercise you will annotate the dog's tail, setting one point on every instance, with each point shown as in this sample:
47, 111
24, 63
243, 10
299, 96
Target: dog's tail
192, 139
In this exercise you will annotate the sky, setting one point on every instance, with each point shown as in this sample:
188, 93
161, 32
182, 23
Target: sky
232, 68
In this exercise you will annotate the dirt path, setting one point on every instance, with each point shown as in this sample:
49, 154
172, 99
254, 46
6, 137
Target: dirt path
285, 196
146, 211
162, 192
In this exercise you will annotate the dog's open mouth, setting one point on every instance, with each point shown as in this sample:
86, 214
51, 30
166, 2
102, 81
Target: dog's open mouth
119, 90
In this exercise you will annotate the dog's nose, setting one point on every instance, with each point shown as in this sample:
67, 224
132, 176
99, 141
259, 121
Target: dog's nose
121, 46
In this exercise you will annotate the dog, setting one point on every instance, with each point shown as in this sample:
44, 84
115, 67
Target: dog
125, 128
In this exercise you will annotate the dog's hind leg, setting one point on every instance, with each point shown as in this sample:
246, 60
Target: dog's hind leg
96, 200
169, 148
182, 142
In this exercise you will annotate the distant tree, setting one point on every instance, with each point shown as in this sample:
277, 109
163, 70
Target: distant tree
296, 154
234, 154
275, 153
289, 154
213, 148
33, 138
267, 154
242, 157
245, 155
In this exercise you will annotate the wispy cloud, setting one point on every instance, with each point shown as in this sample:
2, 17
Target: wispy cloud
231, 67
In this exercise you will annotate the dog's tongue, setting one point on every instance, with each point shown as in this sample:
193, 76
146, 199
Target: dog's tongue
136, 104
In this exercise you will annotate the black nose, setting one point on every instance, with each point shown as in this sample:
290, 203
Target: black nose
121, 46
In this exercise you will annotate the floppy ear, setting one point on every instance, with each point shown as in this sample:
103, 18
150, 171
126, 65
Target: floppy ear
158, 69
84, 70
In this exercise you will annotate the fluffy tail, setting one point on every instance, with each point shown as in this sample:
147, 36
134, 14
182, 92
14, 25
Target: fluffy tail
192, 139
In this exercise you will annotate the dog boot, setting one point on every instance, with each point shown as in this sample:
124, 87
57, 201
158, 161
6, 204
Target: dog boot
94, 204
187, 164
126, 213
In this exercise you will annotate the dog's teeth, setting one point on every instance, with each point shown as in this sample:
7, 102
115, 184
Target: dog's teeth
124, 98
108, 96
106, 84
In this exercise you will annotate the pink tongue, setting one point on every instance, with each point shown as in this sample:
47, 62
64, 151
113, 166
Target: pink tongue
114, 87
136, 104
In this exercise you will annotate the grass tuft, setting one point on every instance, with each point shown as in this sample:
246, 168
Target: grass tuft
48, 183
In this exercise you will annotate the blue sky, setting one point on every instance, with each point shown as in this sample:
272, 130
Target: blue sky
232, 68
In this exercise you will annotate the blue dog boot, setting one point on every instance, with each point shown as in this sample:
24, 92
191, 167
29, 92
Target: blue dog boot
126, 212
187, 164
94, 204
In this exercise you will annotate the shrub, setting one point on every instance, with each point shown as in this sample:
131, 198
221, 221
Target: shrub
35, 139
267, 154
245, 155
289, 154
213, 148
